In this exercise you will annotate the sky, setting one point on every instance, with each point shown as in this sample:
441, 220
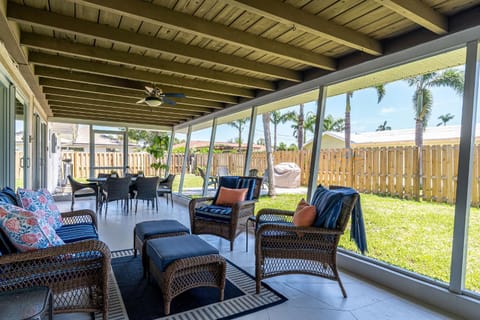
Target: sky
366, 115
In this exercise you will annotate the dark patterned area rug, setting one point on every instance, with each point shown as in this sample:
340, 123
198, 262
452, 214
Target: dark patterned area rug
143, 299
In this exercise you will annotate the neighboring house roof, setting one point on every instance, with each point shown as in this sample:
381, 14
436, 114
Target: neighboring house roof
431, 135
82, 136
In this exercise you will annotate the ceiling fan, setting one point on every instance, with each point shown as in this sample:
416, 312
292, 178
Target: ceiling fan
155, 97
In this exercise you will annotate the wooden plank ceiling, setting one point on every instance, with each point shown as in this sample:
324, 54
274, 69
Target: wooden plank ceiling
93, 58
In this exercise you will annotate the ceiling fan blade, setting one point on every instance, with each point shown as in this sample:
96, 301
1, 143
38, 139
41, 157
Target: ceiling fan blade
168, 101
141, 101
173, 95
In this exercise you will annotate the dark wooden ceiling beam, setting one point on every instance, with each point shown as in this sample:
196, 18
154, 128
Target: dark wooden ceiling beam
70, 114
85, 51
69, 92
159, 15
153, 114
137, 88
287, 14
93, 88
418, 12
55, 21
39, 58
177, 111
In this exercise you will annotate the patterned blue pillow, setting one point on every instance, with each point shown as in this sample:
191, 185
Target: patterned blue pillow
42, 204
25, 230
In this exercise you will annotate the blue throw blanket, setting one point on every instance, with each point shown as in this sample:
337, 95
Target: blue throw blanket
330, 202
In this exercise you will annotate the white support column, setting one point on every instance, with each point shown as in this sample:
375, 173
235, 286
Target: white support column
251, 135
317, 141
209, 157
170, 150
92, 151
125, 150
465, 164
185, 159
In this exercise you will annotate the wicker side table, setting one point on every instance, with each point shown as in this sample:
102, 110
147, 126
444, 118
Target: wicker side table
33, 303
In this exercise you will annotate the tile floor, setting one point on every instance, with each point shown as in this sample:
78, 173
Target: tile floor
308, 297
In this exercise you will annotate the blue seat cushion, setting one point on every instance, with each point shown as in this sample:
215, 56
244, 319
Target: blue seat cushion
147, 229
77, 232
164, 251
213, 212
247, 183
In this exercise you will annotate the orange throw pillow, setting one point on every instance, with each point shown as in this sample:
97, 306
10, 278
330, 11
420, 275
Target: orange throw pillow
227, 196
305, 214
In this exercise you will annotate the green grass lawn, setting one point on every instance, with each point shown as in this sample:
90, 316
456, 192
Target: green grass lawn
413, 235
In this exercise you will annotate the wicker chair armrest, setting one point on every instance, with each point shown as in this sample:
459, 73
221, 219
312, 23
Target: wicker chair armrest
292, 228
80, 216
244, 204
275, 214
71, 251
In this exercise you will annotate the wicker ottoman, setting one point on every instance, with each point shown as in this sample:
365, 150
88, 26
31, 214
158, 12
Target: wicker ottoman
147, 230
182, 263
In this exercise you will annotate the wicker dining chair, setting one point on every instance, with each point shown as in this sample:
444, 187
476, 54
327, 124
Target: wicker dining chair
115, 189
165, 188
283, 248
146, 189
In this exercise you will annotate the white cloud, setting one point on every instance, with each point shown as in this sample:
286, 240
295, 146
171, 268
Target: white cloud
387, 110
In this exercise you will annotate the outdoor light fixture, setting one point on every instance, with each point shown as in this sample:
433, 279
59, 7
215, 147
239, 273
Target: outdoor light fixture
153, 101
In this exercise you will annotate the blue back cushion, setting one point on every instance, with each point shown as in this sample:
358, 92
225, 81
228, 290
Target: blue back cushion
8, 195
250, 183
227, 182
329, 205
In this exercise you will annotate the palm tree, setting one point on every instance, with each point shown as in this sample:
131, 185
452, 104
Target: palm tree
276, 117
422, 97
332, 124
384, 127
445, 118
239, 125
380, 94
298, 126
329, 123
268, 147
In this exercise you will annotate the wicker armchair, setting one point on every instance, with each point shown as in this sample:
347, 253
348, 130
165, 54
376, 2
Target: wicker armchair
227, 226
83, 190
77, 272
283, 248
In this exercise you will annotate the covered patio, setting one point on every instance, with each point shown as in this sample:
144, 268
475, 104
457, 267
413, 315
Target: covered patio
189, 69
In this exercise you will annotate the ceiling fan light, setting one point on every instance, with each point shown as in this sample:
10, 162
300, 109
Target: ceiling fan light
153, 101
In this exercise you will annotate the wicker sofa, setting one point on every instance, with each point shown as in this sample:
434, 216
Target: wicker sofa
77, 272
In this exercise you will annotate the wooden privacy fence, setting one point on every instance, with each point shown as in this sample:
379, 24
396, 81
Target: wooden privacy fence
389, 171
